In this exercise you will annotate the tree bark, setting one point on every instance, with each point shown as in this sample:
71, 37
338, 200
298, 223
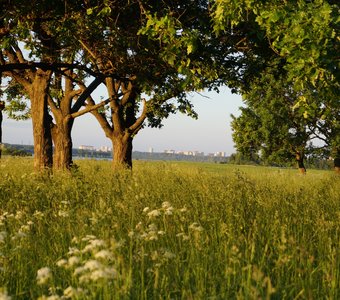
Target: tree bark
299, 159
41, 121
62, 155
337, 163
122, 151
2, 106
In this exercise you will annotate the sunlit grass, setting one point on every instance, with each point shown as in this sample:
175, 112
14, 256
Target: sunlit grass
168, 231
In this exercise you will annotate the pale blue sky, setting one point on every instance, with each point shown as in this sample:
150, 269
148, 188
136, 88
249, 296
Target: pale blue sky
210, 133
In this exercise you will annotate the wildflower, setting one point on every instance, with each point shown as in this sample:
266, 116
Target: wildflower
88, 238
73, 260
71, 292
169, 211
63, 214
79, 270
152, 227
105, 273
61, 263
169, 255
4, 295
154, 213
52, 297
43, 275
3, 235
166, 204
146, 209
92, 265
183, 236
103, 254
196, 227
161, 232
38, 214
73, 250
183, 210
19, 215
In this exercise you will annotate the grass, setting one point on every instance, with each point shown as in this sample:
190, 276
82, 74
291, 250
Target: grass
168, 231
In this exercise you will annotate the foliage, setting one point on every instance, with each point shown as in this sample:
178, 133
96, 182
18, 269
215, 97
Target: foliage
168, 230
303, 33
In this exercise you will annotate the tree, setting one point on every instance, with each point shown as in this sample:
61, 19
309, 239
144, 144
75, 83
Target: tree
161, 51
34, 75
2, 106
273, 122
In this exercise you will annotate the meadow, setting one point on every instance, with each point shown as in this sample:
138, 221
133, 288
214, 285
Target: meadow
168, 231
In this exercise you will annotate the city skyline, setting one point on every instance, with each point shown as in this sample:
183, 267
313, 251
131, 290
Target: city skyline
209, 134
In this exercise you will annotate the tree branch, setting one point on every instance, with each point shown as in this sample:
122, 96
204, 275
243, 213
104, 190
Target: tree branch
139, 122
86, 93
90, 108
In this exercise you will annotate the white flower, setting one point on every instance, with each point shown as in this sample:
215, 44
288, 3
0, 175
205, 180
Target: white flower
4, 295
38, 214
73, 250
78, 271
154, 213
19, 215
196, 227
161, 232
43, 275
63, 214
106, 273
166, 204
169, 255
169, 211
61, 262
184, 209
52, 297
152, 227
92, 265
146, 209
88, 238
73, 260
103, 254
71, 292
3, 235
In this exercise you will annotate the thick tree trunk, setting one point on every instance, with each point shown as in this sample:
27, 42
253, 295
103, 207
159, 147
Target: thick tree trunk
301, 166
122, 152
337, 163
62, 157
41, 121
2, 106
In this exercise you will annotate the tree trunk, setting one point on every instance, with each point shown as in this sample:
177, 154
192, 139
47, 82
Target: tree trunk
2, 106
41, 121
301, 166
337, 163
62, 157
122, 152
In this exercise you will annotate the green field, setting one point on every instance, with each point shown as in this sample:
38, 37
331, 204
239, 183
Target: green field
168, 231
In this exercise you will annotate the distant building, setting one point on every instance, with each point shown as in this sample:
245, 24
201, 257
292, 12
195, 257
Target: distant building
85, 147
170, 151
220, 154
105, 149
150, 150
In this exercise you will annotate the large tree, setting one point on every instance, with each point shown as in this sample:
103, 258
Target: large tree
283, 123
161, 51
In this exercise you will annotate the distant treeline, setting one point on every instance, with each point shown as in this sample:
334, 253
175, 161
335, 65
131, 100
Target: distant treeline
311, 162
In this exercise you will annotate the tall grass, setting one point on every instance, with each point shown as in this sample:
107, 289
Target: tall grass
168, 231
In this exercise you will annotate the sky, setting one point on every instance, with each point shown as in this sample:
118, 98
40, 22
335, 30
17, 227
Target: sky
210, 133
